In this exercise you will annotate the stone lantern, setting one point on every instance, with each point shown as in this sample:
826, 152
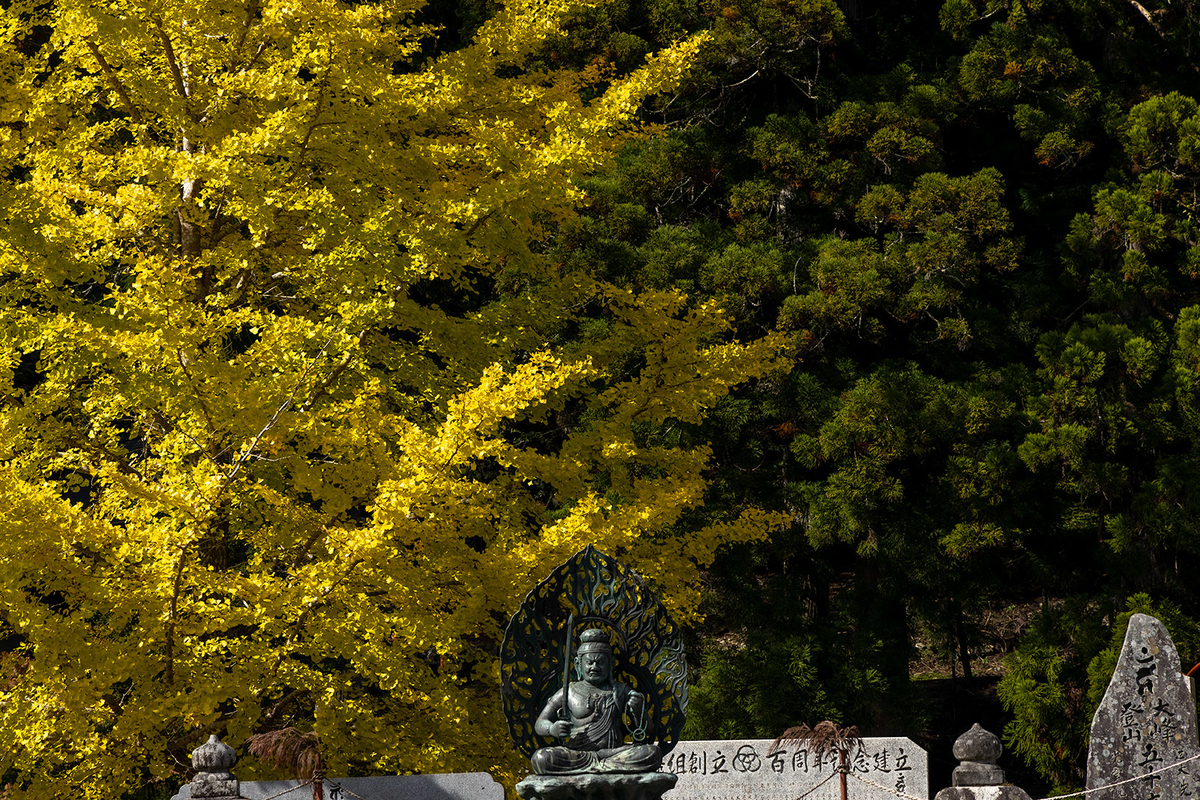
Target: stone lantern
978, 776
213, 761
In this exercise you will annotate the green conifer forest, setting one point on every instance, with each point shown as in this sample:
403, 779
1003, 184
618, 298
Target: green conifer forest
976, 221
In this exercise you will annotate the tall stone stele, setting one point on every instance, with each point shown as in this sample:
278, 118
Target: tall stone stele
594, 684
1145, 724
978, 776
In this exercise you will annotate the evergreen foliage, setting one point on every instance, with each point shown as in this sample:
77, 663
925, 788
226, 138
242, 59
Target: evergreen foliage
975, 222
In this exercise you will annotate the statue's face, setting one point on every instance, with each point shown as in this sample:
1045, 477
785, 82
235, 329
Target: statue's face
595, 667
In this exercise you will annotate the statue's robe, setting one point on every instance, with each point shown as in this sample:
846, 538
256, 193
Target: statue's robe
597, 741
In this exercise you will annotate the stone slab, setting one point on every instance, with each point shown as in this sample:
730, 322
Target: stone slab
741, 769
1007, 792
452, 786
1146, 721
211, 786
619, 786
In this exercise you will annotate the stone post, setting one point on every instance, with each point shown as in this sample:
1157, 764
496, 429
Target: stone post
978, 776
212, 761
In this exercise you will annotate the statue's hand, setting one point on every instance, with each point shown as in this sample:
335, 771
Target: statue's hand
635, 704
560, 728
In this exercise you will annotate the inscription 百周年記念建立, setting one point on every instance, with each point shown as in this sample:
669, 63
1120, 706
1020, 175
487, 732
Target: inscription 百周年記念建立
724, 769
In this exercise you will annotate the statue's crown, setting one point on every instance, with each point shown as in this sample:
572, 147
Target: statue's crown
594, 639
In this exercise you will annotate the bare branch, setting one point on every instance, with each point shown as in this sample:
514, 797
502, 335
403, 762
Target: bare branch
475, 225
1149, 15
304, 615
322, 387
254, 59
303, 551
282, 705
270, 423
195, 387
747, 79
247, 24
1141, 9
313, 124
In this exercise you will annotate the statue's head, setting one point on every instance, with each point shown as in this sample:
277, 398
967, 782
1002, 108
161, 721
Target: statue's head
594, 656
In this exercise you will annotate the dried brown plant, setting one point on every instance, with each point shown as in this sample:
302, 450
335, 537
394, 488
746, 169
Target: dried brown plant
823, 738
292, 752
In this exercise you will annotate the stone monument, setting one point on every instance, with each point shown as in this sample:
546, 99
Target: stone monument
1146, 722
762, 769
594, 683
214, 781
213, 761
978, 776
447, 786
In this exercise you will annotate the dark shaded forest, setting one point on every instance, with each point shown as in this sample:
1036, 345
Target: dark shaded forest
977, 221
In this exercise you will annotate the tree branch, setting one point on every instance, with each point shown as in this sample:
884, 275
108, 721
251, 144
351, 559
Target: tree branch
172, 613
208, 417
281, 706
181, 86
1148, 15
304, 615
304, 548
269, 424
114, 81
1141, 9
316, 115
251, 9
322, 387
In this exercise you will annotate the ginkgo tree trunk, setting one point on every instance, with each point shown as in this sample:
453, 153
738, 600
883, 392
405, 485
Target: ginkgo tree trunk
293, 410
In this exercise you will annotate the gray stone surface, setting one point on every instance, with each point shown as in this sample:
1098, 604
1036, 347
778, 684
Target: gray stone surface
215, 788
978, 776
978, 744
593, 786
213, 761
978, 751
748, 770
983, 793
1146, 721
454, 786
973, 774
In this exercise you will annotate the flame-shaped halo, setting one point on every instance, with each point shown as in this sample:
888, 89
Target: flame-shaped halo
601, 593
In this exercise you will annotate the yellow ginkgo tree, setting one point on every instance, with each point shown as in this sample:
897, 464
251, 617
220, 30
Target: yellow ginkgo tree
293, 408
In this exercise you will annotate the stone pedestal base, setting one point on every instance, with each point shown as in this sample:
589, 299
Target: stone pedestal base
215, 785
1006, 792
603, 786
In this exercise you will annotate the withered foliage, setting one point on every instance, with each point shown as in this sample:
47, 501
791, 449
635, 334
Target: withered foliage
293, 752
822, 738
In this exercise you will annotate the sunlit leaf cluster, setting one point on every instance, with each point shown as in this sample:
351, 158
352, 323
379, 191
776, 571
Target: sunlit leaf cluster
294, 407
